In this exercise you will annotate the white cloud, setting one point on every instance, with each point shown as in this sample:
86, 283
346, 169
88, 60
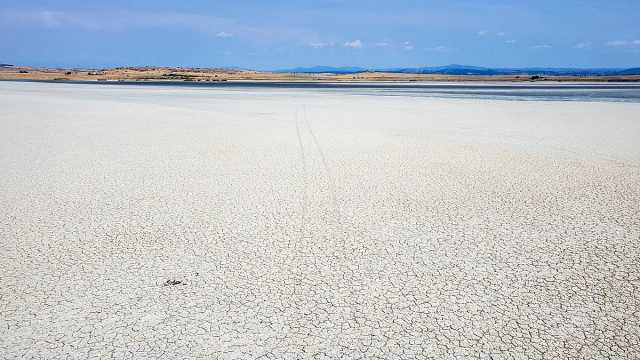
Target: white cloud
382, 44
123, 20
542, 46
355, 44
511, 41
50, 18
624, 43
320, 45
618, 43
55, 19
487, 33
439, 48
114, 20
223, 34
582, 45
407, 46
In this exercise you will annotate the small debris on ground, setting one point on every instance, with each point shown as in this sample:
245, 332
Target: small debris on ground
172, 282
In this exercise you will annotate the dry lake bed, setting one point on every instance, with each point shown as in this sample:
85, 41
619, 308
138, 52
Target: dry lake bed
272, 222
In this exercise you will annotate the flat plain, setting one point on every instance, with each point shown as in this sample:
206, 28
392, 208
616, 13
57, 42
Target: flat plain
171, 222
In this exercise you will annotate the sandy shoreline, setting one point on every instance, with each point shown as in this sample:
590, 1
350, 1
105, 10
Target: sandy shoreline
218, 75
315, 225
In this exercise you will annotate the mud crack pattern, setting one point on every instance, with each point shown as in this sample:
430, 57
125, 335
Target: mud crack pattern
183, 223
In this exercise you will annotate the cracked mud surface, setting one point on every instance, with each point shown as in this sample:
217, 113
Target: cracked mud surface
315, 225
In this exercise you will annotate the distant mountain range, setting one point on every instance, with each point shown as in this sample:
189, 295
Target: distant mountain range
455, 69
325, 70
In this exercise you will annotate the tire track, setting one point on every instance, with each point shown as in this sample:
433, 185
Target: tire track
304, 203
327, 168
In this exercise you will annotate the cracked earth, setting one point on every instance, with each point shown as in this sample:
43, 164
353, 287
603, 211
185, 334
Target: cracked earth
165, 222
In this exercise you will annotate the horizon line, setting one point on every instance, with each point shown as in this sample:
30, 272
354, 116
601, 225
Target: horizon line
294, 67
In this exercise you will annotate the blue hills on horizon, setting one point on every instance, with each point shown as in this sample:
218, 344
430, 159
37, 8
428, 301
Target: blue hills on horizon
455, 69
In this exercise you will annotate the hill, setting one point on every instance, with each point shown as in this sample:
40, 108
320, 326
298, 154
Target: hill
456, 69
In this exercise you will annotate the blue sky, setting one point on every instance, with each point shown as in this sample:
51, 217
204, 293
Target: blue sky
275, 34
